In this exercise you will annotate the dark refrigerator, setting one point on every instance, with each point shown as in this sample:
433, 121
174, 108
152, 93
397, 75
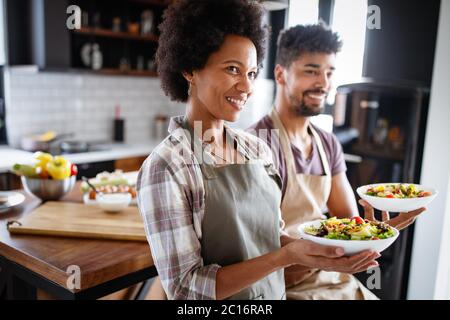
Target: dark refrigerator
383, 125
2, 110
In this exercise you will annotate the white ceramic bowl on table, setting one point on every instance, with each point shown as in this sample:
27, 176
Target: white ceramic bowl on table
9, 199
114, 202
396, 204
350, 247
93, 202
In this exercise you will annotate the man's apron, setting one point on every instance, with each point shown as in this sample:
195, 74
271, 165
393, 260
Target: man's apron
305, 198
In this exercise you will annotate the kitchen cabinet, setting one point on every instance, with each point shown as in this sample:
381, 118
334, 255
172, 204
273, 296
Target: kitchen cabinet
124, 32
3, 139
404, 47
2, 35
9, 181
129, 164
37, 33
91, 169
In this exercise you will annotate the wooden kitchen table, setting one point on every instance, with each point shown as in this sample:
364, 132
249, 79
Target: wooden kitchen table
31, 264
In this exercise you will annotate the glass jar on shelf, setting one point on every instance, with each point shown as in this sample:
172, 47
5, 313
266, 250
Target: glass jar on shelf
116, 24
124, 65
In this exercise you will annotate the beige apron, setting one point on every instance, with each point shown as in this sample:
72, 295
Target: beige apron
305, 198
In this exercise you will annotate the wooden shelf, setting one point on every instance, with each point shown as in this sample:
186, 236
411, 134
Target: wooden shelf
161, 3
114, 34
121, 44
105, 71
143, 73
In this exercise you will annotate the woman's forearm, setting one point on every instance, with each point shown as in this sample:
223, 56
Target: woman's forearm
296, 273
233, 278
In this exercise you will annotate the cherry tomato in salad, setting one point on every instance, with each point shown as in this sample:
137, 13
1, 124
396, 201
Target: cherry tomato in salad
358, 220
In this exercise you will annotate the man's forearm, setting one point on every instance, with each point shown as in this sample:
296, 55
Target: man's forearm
341, 201
295, 274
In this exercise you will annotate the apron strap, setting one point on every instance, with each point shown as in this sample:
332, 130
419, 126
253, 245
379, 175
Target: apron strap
287, 149
284, 142
323, 157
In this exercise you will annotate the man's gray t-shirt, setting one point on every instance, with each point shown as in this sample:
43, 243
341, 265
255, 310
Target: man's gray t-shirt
309, 166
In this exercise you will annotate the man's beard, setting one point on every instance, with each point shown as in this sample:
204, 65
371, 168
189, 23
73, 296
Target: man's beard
300, 108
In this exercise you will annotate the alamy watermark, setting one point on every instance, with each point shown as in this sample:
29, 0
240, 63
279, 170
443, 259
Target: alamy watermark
74, 19
373, 17
74, 277
197, 146
374, 280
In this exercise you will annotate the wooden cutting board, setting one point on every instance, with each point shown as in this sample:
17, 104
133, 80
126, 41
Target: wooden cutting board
69, 219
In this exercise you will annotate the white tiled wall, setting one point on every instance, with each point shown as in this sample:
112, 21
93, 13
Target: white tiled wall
84, 104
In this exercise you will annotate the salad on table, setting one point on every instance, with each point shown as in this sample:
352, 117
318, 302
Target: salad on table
355, 228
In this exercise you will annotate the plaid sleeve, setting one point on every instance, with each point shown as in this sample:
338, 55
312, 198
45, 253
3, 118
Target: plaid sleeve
167, 202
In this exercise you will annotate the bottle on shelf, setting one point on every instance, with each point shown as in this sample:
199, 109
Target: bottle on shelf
97, 57
140, 63
119, 125
147, 18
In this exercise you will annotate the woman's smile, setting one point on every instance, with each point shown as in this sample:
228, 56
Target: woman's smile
237, 102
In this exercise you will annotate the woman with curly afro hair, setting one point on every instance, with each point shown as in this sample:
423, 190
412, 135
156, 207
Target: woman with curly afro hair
209, 194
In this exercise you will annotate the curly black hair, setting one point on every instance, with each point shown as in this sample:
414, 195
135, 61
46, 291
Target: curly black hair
194, 29
313, 38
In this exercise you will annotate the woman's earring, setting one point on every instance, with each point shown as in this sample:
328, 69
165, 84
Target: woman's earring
189, 89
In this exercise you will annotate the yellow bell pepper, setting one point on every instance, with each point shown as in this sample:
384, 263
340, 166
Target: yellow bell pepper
59, 168
41, 160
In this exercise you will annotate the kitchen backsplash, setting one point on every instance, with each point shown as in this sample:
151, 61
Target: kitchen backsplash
84, 104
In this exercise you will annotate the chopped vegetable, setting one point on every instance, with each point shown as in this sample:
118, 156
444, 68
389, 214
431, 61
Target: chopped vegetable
105, 179
397, 191
351, 229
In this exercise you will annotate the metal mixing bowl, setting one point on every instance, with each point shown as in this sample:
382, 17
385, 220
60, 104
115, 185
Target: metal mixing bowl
47, 189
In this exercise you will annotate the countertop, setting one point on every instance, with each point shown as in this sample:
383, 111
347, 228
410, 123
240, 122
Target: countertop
106, 265
114, 151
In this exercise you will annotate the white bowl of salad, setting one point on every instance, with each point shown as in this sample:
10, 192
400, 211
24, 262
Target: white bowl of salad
397, 197
353, 235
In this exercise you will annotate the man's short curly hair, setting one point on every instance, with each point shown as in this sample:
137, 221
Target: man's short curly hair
314, 38
194, 29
